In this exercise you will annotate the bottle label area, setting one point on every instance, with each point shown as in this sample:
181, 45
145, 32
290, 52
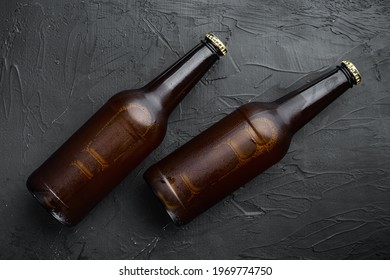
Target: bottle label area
116, 138
224, 156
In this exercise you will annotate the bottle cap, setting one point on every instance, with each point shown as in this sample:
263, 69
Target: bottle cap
353, 70
217, 43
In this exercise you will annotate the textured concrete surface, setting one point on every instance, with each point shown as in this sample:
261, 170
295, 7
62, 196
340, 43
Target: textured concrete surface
329, 198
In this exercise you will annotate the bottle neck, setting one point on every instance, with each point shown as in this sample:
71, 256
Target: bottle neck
300, 106
169, 88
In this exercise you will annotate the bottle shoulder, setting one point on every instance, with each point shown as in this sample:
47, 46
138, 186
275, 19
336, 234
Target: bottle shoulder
255, 110
258, 107
265, 120
136, 98
140, 111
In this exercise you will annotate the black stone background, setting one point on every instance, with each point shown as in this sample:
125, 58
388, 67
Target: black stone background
329, 198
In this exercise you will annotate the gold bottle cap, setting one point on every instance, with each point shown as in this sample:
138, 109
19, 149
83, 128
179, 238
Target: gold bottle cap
353, 70
216, 42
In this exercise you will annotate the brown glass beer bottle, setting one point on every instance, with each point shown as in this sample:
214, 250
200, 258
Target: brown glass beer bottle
117, 138
239, 147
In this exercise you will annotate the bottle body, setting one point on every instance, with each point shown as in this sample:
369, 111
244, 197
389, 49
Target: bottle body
98, 156
236, 149
115, 140
219, 160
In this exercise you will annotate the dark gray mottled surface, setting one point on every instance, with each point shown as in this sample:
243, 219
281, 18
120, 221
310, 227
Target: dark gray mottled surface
329, 198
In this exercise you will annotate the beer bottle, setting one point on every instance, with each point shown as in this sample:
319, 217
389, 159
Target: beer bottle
117, 138
240, 146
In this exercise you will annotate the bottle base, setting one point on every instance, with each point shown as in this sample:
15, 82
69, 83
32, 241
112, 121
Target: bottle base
45, 199
175, 219
159, 185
